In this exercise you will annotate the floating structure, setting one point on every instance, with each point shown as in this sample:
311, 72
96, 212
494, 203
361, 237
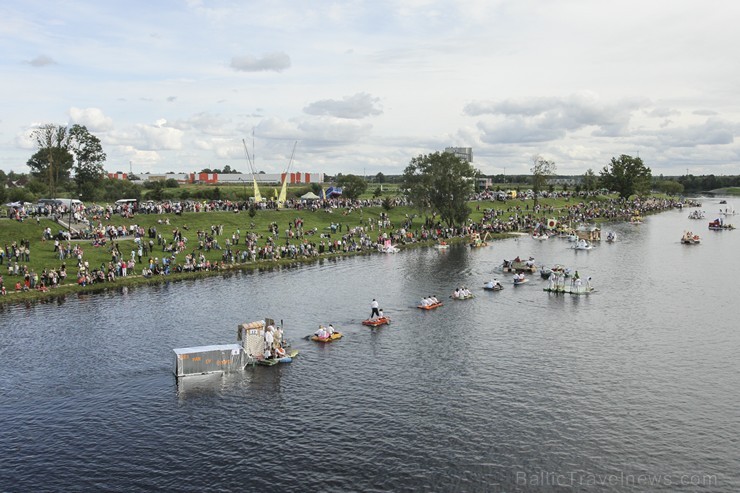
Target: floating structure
575, 286
690, 238
588, 232
582, 245
335, 336
517, 265
376, 322
477, 241
431, 306
259, 342
719, 225
493, 286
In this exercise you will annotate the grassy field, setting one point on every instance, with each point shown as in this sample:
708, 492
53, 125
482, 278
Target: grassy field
42, 255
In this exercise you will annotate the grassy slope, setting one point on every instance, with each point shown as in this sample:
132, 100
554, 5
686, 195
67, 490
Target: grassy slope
43, 256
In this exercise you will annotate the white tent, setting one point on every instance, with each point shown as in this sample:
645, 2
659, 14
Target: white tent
310, 196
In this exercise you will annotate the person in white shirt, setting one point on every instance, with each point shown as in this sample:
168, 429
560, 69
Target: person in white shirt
269, 338
374, 309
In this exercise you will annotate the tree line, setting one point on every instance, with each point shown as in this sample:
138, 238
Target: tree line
69, 161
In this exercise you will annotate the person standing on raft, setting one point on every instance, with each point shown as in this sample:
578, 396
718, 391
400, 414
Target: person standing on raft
374, 309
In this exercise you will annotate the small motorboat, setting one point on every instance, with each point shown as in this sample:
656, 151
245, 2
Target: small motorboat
331, 338
430, 307
375, 322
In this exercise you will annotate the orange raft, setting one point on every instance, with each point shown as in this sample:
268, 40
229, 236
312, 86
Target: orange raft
430, 307
375, 322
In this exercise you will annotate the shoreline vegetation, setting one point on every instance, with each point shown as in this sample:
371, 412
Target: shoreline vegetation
224, 238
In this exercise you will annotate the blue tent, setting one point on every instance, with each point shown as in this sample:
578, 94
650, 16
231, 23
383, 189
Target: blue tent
333, 192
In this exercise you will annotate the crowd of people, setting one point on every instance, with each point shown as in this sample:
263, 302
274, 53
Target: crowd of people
179, 254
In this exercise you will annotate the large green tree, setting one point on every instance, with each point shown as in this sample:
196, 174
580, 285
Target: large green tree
62, 149
590, 181
352, 186
627, 176
440, 183
89, 158
52, 161
541, 170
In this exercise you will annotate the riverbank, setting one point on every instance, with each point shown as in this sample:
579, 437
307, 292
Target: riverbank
157, 248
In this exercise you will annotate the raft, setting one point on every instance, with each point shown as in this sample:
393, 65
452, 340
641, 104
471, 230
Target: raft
430, 307
562, 290
497, 287
376, 322
334, 337
274, 361
463, 298
517, 283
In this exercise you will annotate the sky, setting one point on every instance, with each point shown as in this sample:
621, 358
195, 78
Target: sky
363, 87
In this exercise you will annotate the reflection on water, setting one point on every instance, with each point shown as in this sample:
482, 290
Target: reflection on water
480, 395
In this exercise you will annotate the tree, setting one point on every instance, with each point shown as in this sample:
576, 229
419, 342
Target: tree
589, 180
541, 170
378, 192
352, 185
157, 192
171, 183
52, 161
89, 158
440, 183
627, 176
670, 187
380, 178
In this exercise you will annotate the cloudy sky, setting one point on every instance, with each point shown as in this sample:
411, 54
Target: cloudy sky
364, 86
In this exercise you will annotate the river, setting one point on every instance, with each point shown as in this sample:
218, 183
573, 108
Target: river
632, 388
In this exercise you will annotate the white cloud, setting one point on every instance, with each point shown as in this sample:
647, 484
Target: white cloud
366, 84
92, 118
41, 61
275, 62
360, 105
158, 138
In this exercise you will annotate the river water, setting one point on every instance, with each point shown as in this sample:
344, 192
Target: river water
633, 388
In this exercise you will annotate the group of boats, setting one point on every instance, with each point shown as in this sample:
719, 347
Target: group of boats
262, 343
719, 224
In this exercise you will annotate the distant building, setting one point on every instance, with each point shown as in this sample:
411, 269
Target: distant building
293, 178
484, 182
464, 153
565, 180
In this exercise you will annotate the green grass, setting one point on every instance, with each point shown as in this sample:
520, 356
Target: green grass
43, 255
